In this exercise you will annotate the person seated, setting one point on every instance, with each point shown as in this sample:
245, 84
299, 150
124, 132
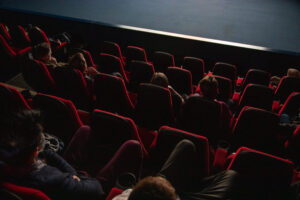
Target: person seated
209, 88
274, 82
161, 79
24, 162
180, 178
77, 61
292, 72
43, 52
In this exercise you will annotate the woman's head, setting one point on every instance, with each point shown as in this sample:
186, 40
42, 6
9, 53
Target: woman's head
160, 79
77, 61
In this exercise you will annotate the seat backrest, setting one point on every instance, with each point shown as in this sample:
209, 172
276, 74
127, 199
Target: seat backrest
162, 60
266, 174
196, 66
180, 80
38, 77
19, 36
71, 85
5, 33
24, 192
226, 70
59, 115
109, 64
169, 137
292, 146
37, 36
111, 95
108, 132
11, 100
291, 105
135, 53
5, 49
256, 76
258, 129
154, 107
258, 96
88, 57
225, 88
112, 48
286, 86
140, 72
201, 116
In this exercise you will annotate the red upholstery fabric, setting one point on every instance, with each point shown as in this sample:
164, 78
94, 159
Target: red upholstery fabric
61, 117
135, 53
5, 48
226, 70
286, 86
256, 76
24, 192
113, 193
292, 146
258, 96
140, 72
111, 95
180, 80
291, 105
163, 60
258, 129
89, 59
110, 64
196, 66
154, 107
4, 32
112, 48
169, 137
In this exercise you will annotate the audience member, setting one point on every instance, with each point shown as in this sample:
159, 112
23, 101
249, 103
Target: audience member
161, 79
24, 162
77, 61
292, 72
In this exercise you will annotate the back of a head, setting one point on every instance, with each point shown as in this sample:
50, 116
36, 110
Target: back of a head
209, 87
21, 134
153, 188
77, 61
160, 79
292, 72
42, 51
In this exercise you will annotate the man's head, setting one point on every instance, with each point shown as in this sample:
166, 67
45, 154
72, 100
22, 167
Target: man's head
77, 61
160, 79
43, 52
209, 87
292, 72
21, 138
153, 188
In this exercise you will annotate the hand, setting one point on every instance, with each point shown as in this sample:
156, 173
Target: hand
76, 178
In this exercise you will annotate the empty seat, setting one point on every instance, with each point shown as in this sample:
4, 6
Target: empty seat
21, 192
140, 72
4, 33
258, 96
256, 76
20, 39
258, 129
154, 107
11, 100
112, 48
38, 77
225, 88
226, 70
110, 64
88, 57
196, 67
292, 146
37, 36
286, 86
71, 85
135, 53
180, 80
59, 115
203, 117
267, 176
169, 137
291, 106
92, 147
111, 95
162, 60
